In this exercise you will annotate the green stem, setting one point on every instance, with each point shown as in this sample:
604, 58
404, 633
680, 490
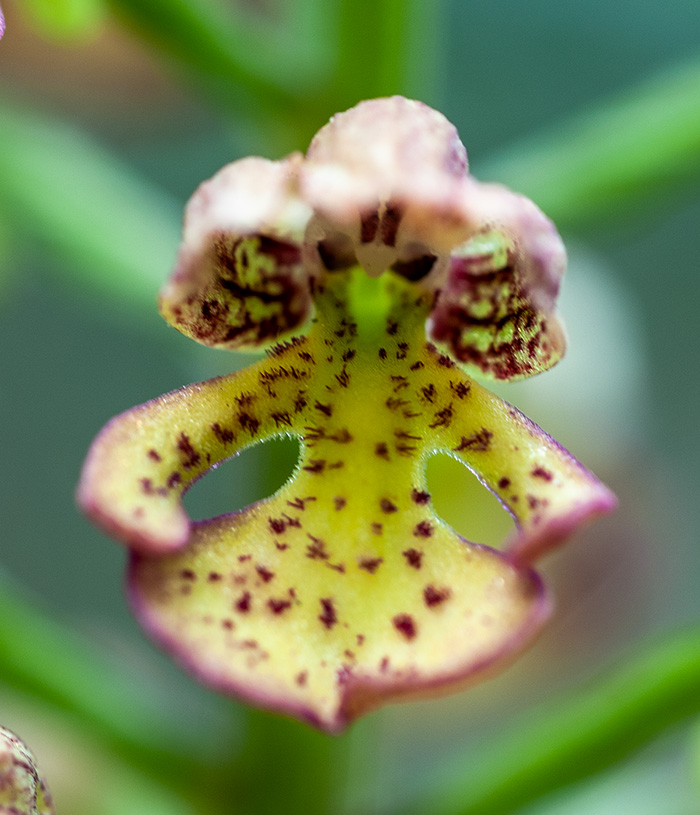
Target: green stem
385, 47
576, 736
286, 766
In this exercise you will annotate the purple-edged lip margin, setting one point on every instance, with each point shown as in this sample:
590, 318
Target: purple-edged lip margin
360, 694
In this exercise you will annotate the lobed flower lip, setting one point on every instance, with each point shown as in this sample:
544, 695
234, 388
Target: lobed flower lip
383, 272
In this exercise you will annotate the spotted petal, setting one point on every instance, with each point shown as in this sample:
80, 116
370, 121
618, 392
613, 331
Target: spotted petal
496, 312
240, 281
344, 590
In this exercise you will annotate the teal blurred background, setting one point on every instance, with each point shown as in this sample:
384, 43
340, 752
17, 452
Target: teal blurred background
111, 113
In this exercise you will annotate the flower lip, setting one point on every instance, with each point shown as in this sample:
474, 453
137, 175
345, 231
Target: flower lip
345, 589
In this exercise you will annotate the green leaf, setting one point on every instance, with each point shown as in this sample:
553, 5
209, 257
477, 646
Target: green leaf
41, 658
616, 156
575, 736
61, 187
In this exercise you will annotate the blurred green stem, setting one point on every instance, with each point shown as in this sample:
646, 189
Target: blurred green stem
385, 47
615, 158
576, 735
286, 766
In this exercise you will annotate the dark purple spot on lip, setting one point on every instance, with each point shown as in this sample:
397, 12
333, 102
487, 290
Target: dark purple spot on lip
315, 466
316, 550
301, 678
423, 529
413, 557
227, 624
173, 479
443, 418
434, 596
370, 564
420, 497
540, 472
460, 389
188, 574
394, 403
388, 506
264, 573
243, 603
300, 503
417, 366
381, 450
277, 525
278, 605
343, 378
328, 614
191, 457
377, 528
382, 353
223, 434
282, 419
477, 442
249, 423
504, 483
339, 502
428, 392
214, 577
405, 625
154, 455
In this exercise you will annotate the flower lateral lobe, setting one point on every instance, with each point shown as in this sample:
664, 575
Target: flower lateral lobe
239, 281
345, 590
496, 312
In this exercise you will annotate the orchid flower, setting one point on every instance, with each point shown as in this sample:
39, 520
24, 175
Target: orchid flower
378, 274
22, 790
